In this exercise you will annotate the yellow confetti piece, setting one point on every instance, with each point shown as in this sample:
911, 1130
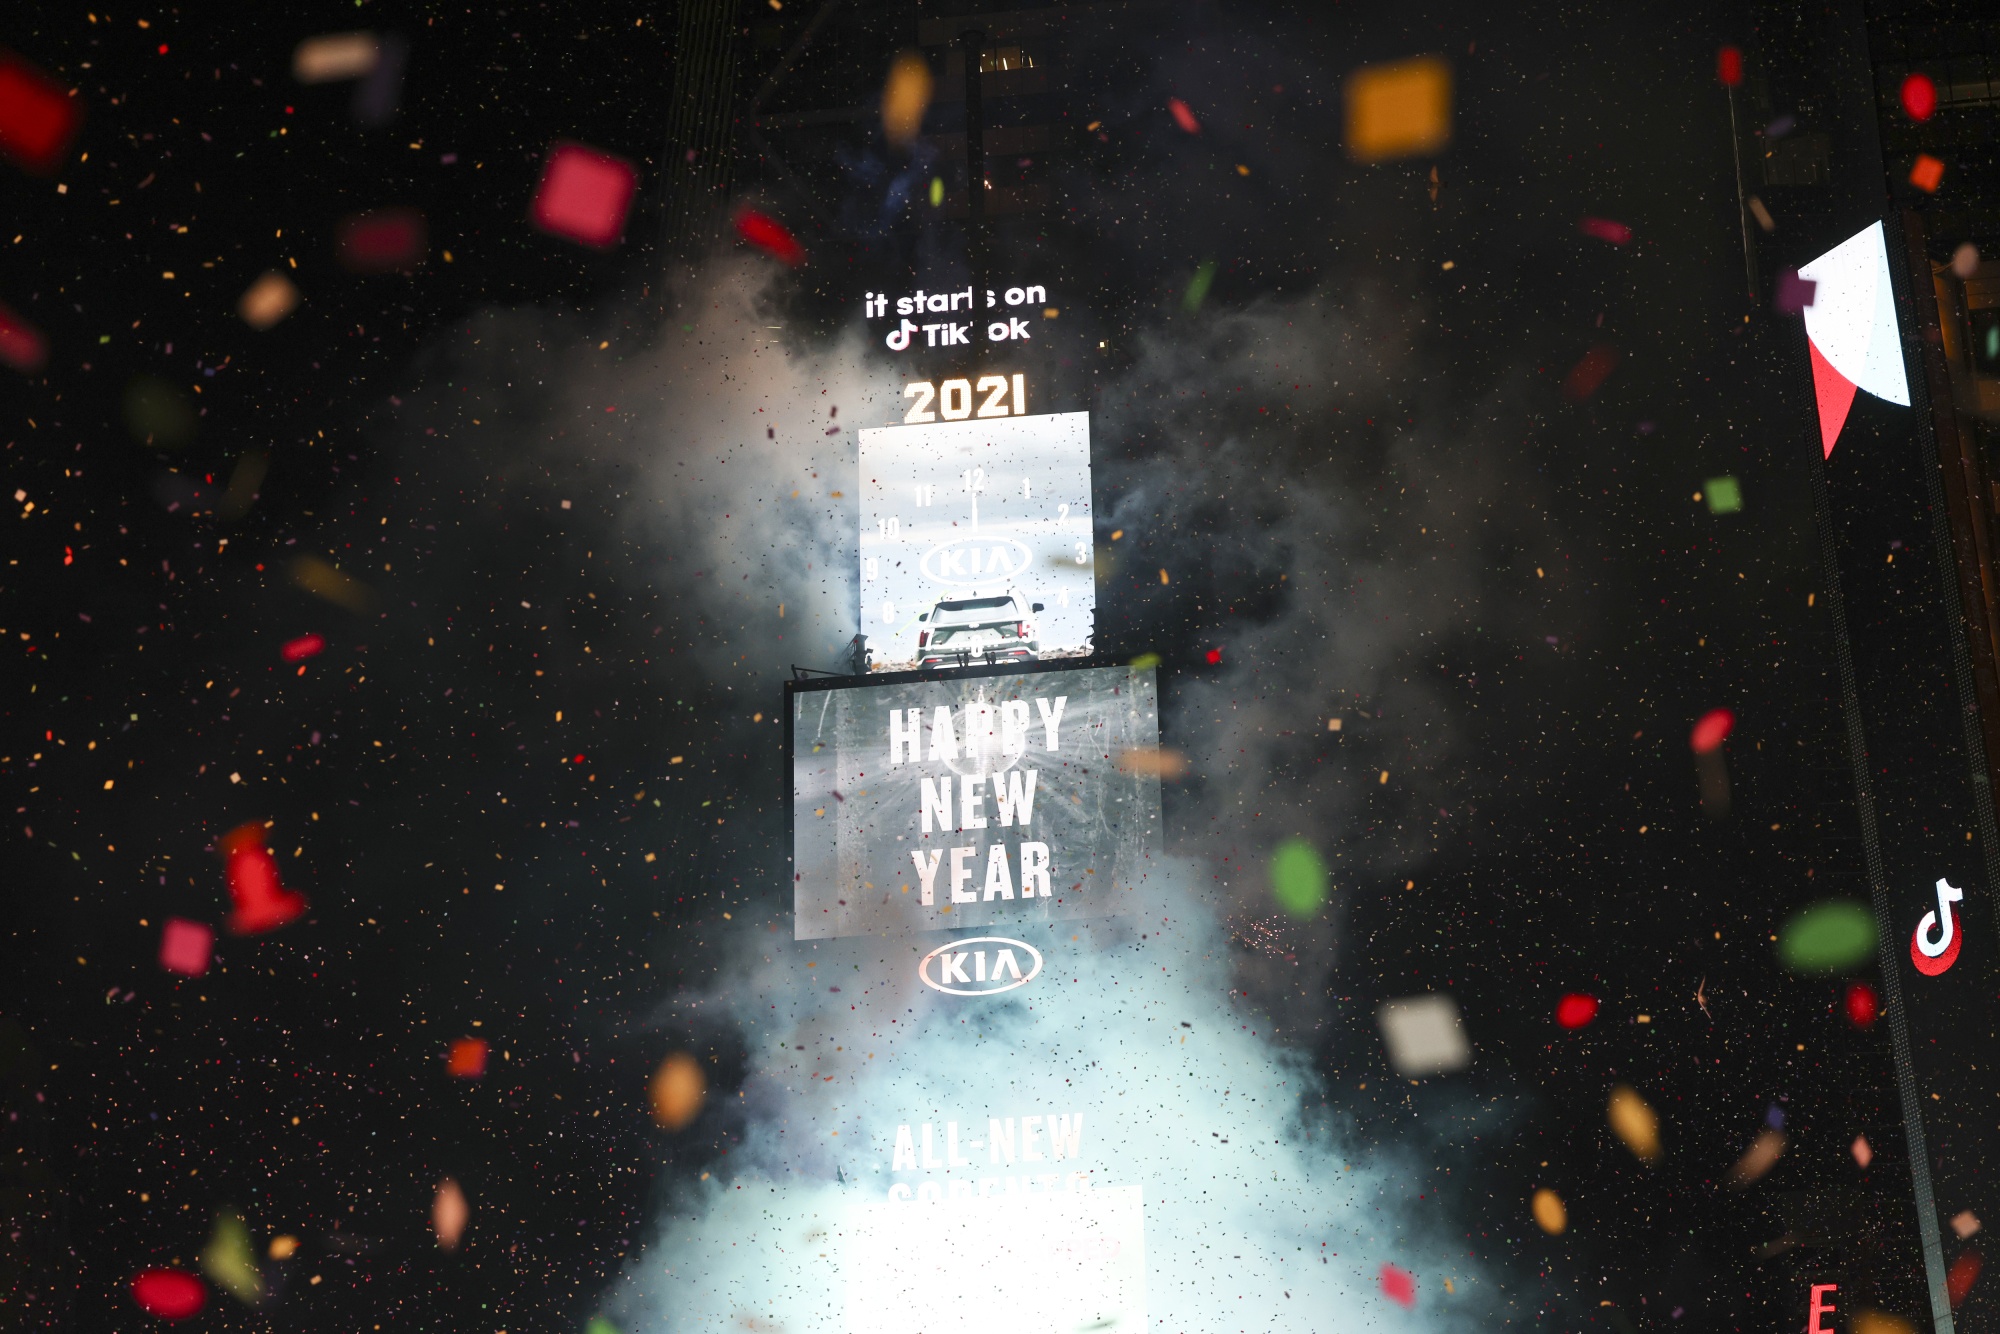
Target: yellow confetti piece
1397, 110
1635, 1122
1549, 1213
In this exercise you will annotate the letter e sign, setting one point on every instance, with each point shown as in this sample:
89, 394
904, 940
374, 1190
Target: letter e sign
1817, 1308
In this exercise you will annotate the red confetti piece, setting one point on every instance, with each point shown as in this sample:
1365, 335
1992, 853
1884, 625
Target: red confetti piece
1713, 729
467, 1059
1603, 229
1729, 66
1399, 1285
769, 235
21, 343
186, 947
305, 646
1919, 97
1214, 656
1587, 375
584, 195
382, 240
1183, 117
1576, 1009
168, 1293
38, 117
1861, 1005
262, 903
1964, 1272
1927, 173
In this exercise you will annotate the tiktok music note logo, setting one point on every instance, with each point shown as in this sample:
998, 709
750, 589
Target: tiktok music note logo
1934, 945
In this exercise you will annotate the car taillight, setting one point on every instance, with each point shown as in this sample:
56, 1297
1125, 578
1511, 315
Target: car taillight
923, 638
1020, 629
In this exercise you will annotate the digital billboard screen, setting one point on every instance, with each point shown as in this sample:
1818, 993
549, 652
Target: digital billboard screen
971, 799
975, 535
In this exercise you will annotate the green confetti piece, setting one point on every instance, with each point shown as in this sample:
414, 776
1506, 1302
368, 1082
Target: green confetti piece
1828, 937
230, 1261
1144, 661
1724, 495
599, 1325
1298, 877
1197, 290
937, 192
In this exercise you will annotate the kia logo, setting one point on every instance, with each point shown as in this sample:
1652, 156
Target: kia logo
976, 560
980, 966
1934, 944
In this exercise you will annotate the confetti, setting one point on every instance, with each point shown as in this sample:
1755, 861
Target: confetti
267, 301
318, 577
157, 414
1603, 229
1589, 374
21, 343
283, 1247
937, 192
376, 96
678, 1090
1399, 1285
1711, 731
769, 235
599, 1325
168, 1293
1863, 1154
1398, 110
185, 947
1919, 97
1214, 657
230, 1261
1827, 937
1927, 173
1861, 1005
1725, 496
1298, 877
382, 240
244, 480
1965, 1223
1183, 116
1881, 1322
261, 903
1729, 66
1762, 214
905, 97
1635, 1122
466, 1059
1965, 260
335, 56
1964, 1272
584, 195
1153, 763
1759, 1158
38, 117
1423, 1035
449, 1214
1576, 1009
1794, 293
305, 646
1197, 288
1550, 1215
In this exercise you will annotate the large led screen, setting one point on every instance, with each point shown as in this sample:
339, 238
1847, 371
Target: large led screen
971, 800
976, 540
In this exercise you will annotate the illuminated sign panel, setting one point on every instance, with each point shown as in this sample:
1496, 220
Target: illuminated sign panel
972, 800
976, 538
1041, 1260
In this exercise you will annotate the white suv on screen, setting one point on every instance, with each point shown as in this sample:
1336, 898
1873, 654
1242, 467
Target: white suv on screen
963, 631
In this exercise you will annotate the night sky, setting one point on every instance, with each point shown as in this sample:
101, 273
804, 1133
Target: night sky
534, 786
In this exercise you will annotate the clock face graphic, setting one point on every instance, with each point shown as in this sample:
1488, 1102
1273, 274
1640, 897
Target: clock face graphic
976, 541
1934, 944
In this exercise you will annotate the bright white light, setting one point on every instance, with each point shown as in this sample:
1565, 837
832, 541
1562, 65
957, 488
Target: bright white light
1852, 320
